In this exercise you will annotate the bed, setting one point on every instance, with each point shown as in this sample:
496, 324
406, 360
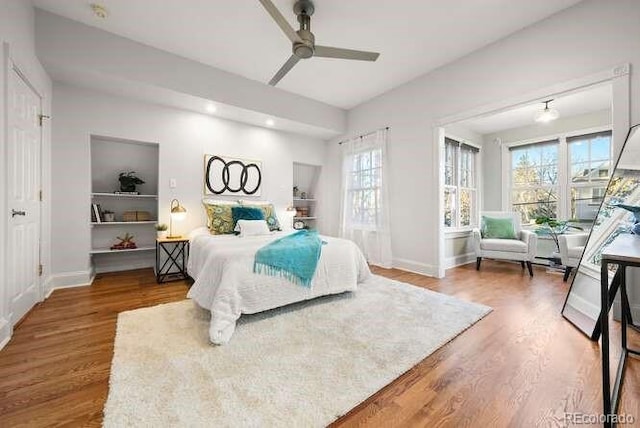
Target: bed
222, 267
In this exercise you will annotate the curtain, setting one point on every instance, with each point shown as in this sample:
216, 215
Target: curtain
365, 198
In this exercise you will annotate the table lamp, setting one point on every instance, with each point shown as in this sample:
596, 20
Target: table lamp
178, 212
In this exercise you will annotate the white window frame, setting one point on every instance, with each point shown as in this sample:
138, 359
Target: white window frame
475, 212
350, 190
564, 178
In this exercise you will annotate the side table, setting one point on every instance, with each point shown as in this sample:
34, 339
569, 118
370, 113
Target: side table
174, 267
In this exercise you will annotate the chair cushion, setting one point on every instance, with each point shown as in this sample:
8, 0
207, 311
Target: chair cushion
506, 245
575, 252
497, 228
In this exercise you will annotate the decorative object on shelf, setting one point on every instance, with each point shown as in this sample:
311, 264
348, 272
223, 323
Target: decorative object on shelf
109, 216
129, 181
161, 229
303, 211
547, 114
635, 229
552, 227
303, 195
126, 243
178, 212
231, 176
136, 216
290, 215
296, 191
299, 225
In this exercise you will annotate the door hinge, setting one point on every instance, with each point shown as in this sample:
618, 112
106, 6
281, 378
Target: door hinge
40, 269
40, 195
41, 117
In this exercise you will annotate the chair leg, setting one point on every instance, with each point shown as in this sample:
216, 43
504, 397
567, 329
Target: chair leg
478, 261
530, 269
522, 264
567, 272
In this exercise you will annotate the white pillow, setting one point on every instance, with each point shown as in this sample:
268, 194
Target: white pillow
253, 227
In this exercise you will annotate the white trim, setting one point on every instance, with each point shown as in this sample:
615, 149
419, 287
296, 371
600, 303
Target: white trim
539, 95
453, 233
584, 306
5, 332
70, 279
438, 171
459, 260
415, 267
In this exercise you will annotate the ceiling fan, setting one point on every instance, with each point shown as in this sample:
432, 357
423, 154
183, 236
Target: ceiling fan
304, 42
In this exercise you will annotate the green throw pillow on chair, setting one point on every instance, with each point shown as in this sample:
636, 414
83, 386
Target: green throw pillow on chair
498, 228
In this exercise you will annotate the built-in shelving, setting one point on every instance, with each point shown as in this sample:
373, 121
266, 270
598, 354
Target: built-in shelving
305, 179
120, 223
123, 195
109, 158
110, 251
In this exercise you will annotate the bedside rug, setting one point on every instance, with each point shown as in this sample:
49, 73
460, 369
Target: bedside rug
301, 365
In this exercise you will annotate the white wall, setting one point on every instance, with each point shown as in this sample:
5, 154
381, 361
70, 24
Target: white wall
17, 32
492, 172
588, 38
183, 137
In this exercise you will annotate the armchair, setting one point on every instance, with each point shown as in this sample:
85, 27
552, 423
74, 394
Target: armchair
522, 249
571, 248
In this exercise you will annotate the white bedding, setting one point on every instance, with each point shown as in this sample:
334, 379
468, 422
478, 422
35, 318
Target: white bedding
222, 267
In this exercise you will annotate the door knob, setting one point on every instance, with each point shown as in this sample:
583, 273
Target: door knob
15, 213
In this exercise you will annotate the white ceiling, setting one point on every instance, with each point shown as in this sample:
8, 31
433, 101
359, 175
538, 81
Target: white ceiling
590, 100
413, 36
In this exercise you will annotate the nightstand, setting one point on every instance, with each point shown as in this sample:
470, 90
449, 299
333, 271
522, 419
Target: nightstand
171, 259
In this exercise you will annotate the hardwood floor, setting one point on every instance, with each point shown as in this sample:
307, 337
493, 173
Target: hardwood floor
521, 366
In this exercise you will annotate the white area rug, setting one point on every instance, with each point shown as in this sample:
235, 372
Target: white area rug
302, 365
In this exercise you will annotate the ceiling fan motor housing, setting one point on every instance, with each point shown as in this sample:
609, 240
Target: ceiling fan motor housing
304, 50
304, 9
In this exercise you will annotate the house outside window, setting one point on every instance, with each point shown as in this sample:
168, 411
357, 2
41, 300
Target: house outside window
460, 184
564, 178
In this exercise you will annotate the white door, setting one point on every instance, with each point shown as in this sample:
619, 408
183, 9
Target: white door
23, 181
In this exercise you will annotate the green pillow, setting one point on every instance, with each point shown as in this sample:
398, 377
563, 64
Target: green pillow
498, 228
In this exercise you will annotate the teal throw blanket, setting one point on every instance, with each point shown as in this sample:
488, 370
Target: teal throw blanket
294, 257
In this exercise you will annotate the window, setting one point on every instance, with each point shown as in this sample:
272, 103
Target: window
564, 178
534, 180
590, 167
460, 184
364, 187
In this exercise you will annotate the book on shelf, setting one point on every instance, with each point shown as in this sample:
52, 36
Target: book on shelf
126, 193
96, 216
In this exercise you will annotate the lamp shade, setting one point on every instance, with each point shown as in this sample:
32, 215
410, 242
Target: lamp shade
178, 212
547, 114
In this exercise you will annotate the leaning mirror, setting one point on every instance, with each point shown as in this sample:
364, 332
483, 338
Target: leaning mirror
582, 306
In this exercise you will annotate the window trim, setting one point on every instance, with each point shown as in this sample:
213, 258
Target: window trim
564, 186
462, 230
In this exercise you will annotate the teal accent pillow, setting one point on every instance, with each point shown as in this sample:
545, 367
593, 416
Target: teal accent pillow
498, 228
246, 213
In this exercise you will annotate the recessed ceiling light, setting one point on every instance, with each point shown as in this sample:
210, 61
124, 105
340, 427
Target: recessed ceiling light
211, 108
270, 122
99, 10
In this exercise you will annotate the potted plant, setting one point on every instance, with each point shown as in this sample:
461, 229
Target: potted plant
161, 229
109, 216
548, 226
129, 181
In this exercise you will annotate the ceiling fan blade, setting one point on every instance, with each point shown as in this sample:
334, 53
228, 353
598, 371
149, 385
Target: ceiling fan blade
293, 60
281, 21
329, 52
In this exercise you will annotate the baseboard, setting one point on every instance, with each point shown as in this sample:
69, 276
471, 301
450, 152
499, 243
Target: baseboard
68, 280
416, 267
5, 332
583, 305
460, 260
